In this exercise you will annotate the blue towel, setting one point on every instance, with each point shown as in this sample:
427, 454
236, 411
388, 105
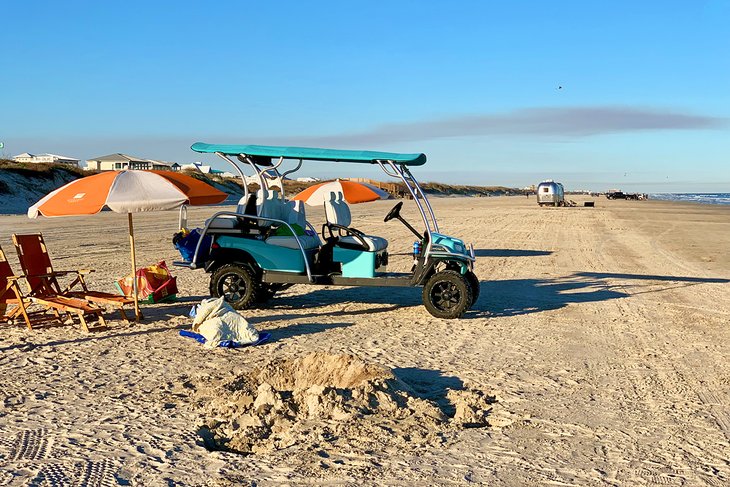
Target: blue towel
263, 336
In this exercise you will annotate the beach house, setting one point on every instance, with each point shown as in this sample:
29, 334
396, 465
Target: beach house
118, 162
45, 159
205, 169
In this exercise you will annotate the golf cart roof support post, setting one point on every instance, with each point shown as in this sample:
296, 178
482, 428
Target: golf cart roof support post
262, 182
277, 178
275, 166
251, 217
240, 173
285, 174
386, 171
400, 173
423, 195
429, 243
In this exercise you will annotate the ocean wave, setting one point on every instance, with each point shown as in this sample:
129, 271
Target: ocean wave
705, 198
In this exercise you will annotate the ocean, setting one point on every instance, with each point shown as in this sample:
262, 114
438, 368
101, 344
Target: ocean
706, 198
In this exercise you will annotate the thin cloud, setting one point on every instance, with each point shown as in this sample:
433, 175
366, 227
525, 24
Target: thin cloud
540, 122
546, 123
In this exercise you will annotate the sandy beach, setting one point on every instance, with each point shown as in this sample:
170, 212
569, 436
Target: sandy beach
601, 334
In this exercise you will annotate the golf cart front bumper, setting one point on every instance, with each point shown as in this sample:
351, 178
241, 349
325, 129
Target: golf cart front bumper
450, 248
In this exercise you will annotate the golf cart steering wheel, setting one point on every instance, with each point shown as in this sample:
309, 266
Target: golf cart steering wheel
394, 212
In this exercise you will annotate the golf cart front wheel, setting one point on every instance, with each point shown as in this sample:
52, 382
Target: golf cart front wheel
473, 281
236, 283
447, 294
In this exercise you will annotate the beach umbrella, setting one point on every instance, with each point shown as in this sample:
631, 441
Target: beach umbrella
126, 192
352, 192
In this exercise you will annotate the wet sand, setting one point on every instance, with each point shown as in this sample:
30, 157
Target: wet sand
602, 334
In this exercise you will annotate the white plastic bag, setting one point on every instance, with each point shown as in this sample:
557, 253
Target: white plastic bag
217, 321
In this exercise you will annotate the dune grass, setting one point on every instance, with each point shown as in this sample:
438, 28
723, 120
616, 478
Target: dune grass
50, 171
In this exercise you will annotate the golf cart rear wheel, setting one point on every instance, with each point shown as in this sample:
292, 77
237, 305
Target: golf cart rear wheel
473, 281
447, 294
237, 283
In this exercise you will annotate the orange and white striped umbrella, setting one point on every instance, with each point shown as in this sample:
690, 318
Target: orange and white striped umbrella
352, 192
126, 192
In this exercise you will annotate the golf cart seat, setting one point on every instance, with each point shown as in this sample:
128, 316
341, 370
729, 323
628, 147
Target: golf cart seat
246, 206
291, 212
339, 218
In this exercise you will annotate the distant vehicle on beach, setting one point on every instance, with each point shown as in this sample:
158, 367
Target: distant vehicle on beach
615, 194
550, 193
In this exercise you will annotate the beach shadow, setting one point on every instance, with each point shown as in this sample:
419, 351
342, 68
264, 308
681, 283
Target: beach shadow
523, 296
510, 253
318, 314
431, 385
299, 329
648, 277
165, 311
100, 335
516, 297
397, 296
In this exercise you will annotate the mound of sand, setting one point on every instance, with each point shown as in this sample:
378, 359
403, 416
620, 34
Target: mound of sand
332, 399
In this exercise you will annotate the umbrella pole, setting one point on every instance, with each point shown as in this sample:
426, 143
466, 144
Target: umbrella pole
137, 314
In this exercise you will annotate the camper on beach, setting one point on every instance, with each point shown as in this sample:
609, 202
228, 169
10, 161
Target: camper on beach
550, 193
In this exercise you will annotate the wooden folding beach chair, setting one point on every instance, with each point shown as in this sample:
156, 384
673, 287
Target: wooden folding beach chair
58, 306
10, 293
38, 270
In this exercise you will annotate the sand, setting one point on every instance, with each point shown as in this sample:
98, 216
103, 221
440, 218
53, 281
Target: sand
597, 354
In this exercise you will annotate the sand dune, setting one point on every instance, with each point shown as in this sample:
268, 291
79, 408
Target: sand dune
601, 334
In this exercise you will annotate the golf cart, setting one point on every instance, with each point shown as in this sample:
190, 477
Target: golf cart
267, 244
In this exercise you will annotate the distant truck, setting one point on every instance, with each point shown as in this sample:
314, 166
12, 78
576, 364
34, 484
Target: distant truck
550, 193
615, 194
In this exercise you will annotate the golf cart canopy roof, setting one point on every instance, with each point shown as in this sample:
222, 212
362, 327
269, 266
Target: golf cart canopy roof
311, 154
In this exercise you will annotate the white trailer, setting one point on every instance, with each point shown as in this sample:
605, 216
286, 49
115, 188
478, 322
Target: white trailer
550, 193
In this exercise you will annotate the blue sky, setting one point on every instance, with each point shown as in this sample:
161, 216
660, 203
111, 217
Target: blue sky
596, 94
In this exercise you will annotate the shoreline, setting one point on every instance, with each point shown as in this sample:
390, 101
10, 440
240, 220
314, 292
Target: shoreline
581, 197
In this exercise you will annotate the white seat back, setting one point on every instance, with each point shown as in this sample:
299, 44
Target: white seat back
336, 210
268, 205
296, 214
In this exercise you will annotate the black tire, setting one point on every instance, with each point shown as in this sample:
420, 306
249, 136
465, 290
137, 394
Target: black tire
447, 294
237, 283
474, 284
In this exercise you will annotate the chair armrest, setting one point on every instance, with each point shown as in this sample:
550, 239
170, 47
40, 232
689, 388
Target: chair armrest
355, 233
78, 271
52, 274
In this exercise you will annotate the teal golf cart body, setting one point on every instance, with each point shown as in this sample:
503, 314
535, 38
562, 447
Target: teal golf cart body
267, 244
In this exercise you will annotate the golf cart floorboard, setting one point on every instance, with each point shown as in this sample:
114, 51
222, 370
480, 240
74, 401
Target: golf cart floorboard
385, 280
